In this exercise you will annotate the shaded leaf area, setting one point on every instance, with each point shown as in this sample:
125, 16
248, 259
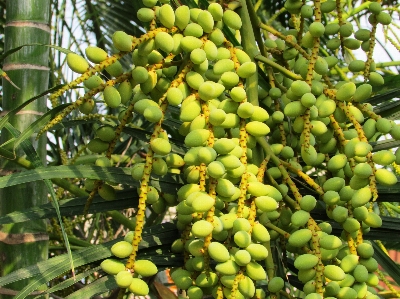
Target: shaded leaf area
69, 282
154, 246
101, 285
392, 269
71, 207
168, 183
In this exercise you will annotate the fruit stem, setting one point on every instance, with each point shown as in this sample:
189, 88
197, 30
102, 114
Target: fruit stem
278, 67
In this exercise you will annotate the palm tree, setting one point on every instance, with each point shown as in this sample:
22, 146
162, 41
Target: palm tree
27, 22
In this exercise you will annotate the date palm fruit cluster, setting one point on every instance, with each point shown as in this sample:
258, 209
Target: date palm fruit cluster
244, 144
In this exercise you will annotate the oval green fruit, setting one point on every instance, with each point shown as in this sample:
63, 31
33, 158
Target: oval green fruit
139, 287
334, 273
300, 237
77, 63
122, 249
305, 261
95, 54
124, 279
145, 268
218, 252
122, 41
166, 16
232, 19
112, 266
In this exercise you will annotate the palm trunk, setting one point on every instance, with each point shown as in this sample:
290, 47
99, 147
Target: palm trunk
27, 22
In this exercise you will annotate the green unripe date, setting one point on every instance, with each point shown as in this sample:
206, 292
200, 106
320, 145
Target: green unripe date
95, 54
124, 279
232, 19
145, 14
182, 278
218, 252
97, 145
122, 41
258, 252
385, 177
77, 63
112, 96
300, 237
255, 271
316, 29
305, 261
334, 273
112, 266
182, 17
202, 228
145, 268
122, 249
166, 16
139, 287
164, 42
160, 146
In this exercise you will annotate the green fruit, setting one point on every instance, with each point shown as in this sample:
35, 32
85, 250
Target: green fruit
260, 233
383, 157
218, 252
351, 43
124, 279
305, 261
306, 11
106, 133
139, 287
166, 16
122, 41
216, 11
202, 228
247, 69
255, 271
356, 66
316, 29
276, 284
182, 17
232, 19
300, 237
97, 145
347, 293
93, 82
206, 21
122, 249
242, 238
308, 203
229, 79
145, 14
247, 287
360, 273
77, 63
334, 273
193, 29
189, 43
258, 252
373, 220
257, 128
206, 280
164, 42
153, 114
332, 28
330, 242
334, 184
328, 6
340, 214
385, 177
361, 197
182, 278
346, 29
95, 54
112, 266
115, 69
300, 218
222, 66
160, 146
351, 225
194, 292
383, 125
242, 257
145, 268
346, 91
384, 18
376, 79
349, 262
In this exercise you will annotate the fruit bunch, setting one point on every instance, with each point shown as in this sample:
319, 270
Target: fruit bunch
244, 142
